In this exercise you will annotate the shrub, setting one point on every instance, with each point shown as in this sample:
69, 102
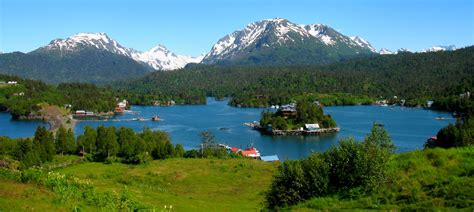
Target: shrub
349, 169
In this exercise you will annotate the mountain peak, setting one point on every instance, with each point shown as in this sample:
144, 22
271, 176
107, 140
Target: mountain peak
79, 41
440, 48
386, 51
160, 58
277, 33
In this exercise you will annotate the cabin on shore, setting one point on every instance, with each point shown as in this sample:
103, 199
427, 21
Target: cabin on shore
312, 127
288, 110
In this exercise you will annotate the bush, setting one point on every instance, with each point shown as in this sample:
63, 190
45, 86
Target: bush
349, 169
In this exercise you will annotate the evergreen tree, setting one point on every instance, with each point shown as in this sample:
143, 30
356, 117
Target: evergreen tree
70, 142
61, 140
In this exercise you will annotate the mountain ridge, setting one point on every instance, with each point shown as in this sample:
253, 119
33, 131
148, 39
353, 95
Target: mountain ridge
326, 44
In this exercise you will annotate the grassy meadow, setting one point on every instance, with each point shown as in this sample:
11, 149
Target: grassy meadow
423, 179
185, 184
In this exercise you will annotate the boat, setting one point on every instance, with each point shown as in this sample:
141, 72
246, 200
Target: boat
155, 118
141, 119
440, 118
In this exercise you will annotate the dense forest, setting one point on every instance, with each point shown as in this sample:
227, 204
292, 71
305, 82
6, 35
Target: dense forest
26, 96
414, 77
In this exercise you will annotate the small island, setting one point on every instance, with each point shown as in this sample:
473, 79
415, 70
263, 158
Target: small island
300, 118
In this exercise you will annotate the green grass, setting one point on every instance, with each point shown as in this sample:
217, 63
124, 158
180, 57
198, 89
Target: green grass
429, 179
186, 184
21, 196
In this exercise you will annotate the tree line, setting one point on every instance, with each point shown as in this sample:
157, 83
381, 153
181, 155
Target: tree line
25, 98
105, 144
415, 77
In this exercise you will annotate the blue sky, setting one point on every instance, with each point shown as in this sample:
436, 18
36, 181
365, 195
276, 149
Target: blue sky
191, 27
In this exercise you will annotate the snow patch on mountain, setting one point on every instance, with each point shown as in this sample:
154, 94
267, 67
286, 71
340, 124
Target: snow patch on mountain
85, 39
440, 48
160, 58
363, 43
386, 51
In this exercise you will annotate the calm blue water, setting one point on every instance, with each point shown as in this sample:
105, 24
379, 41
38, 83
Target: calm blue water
408, 127
17, 129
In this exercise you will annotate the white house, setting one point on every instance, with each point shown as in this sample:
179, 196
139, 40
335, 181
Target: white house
312, 127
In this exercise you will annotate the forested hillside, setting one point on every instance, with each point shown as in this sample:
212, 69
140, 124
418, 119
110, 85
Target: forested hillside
88, 65
416, 77
26, 96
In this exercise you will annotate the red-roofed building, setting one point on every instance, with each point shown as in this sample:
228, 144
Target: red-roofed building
251, 152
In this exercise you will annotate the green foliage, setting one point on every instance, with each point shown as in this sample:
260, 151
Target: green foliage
88, 65
33, 93
179, 151
65, 142
107, 145
349, 169
413, 77
87, 142
306, 113
43, 143
430, 179
458, 135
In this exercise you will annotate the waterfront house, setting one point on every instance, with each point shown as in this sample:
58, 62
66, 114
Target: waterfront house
288, 110
250, 152
429, 103
312, 127
80, 112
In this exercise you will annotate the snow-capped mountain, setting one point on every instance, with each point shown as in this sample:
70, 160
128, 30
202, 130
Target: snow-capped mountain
363, 43
440, 48
320, 43
80, 41
386, 51
159, 58
403, 50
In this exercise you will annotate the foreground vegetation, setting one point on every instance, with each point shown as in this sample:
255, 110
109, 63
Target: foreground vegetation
422, 179
419, 180
184, 184
368, 175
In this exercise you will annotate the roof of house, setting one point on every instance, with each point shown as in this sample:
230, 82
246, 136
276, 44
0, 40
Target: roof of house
234, 149
252, 152
270, 158
312, 126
